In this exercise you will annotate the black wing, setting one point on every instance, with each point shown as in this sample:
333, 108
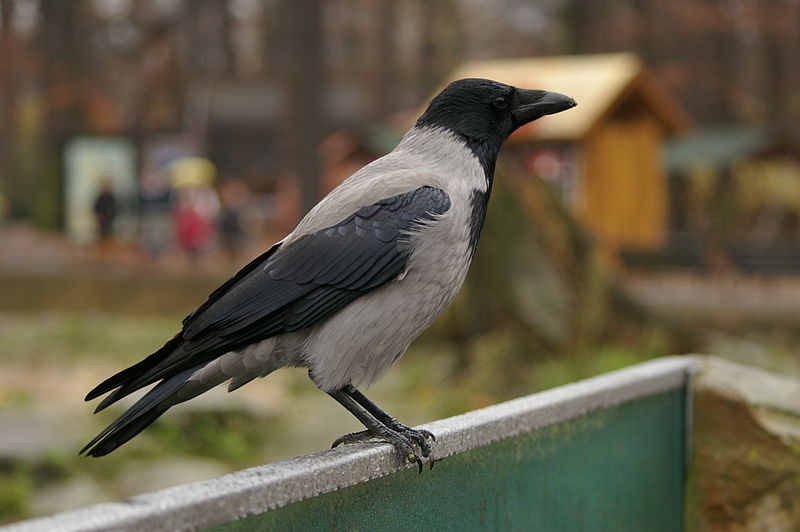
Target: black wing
290, 288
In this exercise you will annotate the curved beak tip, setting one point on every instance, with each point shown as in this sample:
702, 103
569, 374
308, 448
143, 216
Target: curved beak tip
559, 102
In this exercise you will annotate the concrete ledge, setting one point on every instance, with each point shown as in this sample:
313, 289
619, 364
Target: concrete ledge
259, 489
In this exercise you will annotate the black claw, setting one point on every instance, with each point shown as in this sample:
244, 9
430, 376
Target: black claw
353, 437
413, 458
419, 437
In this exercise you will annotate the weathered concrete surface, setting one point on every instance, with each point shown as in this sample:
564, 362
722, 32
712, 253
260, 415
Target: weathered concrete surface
745, 465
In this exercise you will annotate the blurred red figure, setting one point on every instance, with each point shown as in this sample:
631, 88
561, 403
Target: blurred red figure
195, 218
196, 203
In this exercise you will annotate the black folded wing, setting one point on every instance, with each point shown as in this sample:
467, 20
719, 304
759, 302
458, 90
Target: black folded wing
290, 287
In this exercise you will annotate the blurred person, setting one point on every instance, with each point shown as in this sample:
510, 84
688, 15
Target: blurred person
105, 210
196, 211
196, 203
155, 229
233, 196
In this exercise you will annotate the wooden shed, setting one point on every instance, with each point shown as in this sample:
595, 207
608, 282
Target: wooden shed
607, 152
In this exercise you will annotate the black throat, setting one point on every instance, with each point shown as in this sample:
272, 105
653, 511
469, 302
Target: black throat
486, 153
483, 142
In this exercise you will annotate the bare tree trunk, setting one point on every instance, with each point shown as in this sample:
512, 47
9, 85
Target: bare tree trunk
306, 93
276, 35
62, 50
578, 20
8, 182
6, 62
780, 46
384, 90
749, 74
427, 50
60, 42
224, 12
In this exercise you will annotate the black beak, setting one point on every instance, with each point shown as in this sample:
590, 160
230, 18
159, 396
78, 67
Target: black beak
528, 105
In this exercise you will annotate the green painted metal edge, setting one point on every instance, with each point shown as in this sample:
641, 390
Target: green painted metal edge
620, 468
260, 489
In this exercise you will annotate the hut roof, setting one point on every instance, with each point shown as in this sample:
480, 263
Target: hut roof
599, 83
715, 147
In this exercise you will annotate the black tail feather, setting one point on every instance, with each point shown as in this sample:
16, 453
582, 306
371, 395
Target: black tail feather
137, 417
131, 374
121, 434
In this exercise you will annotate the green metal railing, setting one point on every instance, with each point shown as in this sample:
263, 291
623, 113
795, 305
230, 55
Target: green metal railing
607, 453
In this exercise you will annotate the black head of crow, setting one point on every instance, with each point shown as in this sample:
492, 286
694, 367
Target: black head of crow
363, 274
488, 111
485, 112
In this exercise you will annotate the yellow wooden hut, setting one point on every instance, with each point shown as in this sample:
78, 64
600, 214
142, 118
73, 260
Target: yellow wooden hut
609, 148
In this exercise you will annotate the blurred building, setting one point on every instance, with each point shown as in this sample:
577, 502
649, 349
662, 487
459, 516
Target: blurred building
735, 201
223, 75
219, 75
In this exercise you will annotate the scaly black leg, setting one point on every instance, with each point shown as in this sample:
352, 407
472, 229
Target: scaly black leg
376, 428
419, 436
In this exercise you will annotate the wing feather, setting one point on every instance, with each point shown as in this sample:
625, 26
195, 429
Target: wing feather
291, 287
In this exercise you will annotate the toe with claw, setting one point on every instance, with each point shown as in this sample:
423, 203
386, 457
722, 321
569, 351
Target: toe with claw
400, 439
353, 437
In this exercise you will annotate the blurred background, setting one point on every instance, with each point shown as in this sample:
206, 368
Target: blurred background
149, 149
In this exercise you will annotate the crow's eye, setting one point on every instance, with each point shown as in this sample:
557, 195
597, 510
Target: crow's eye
500, 102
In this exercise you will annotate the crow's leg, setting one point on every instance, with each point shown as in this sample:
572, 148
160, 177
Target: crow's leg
375, 429
419, 436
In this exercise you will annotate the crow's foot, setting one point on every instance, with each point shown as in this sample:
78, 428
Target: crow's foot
401, 439
420, 437
382, 426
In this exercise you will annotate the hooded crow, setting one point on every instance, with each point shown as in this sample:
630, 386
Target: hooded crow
363, 274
